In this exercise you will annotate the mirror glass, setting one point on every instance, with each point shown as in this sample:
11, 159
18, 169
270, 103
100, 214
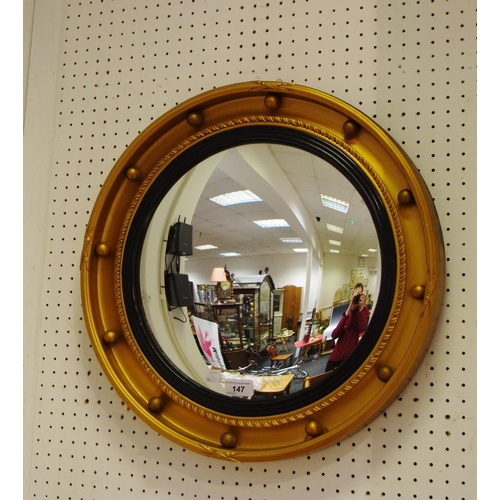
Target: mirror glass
307, 269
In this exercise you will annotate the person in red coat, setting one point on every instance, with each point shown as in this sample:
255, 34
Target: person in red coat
351, 325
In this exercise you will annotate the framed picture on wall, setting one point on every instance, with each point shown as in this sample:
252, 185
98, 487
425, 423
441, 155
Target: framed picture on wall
345, 291
351, 292
354, 277
365, 282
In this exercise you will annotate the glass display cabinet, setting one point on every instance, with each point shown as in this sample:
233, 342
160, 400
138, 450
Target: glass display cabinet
255, 294
204, 311
228, 317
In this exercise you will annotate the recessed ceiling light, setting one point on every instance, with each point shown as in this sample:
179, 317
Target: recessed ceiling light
300, 250
230, 254
334, 251
205, 247
272, 223
334, 242
291, 240
235, 198
372, 250
335, 229
336, 204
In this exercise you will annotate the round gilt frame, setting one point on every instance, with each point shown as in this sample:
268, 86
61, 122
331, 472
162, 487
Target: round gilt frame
333, 412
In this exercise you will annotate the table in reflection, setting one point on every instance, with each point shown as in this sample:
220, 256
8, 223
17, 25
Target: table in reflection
275, 385
284, 337
305, 346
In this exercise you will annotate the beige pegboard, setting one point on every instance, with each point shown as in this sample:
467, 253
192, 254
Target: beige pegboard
109, 68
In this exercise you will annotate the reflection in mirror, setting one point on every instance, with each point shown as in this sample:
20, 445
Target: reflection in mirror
285, 284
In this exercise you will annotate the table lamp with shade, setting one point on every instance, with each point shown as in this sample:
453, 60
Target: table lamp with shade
219, 276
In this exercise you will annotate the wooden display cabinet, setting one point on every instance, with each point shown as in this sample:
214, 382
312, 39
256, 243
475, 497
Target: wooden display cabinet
292, 296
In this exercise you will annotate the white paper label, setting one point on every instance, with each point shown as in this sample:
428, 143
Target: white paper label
213, 375
239, 388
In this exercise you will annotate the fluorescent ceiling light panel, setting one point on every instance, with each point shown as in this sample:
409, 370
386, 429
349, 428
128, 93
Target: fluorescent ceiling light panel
291, 240
334, 251
334, 242
230, 254
205, 247
372, 250
235, 198
272, 223
336, 204
335, 229
300, 250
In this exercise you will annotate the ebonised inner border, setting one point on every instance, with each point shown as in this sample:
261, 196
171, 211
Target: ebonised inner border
131, 269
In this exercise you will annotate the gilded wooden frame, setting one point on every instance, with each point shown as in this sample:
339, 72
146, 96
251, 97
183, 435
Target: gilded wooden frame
336, 411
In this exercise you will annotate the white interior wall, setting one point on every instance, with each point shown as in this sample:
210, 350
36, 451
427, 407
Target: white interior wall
291, 272
99, 73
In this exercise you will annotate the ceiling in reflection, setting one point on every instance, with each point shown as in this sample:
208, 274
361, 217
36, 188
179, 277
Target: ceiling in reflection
304, 177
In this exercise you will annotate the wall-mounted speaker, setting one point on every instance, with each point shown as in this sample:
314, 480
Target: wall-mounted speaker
178, 289
180, 239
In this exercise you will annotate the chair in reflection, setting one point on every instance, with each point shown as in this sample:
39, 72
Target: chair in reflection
274, 357
314, 379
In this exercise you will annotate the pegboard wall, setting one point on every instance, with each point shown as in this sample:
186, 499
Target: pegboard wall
100, 71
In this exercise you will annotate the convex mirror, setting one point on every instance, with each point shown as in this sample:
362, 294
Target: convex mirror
222, 197
147, 352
